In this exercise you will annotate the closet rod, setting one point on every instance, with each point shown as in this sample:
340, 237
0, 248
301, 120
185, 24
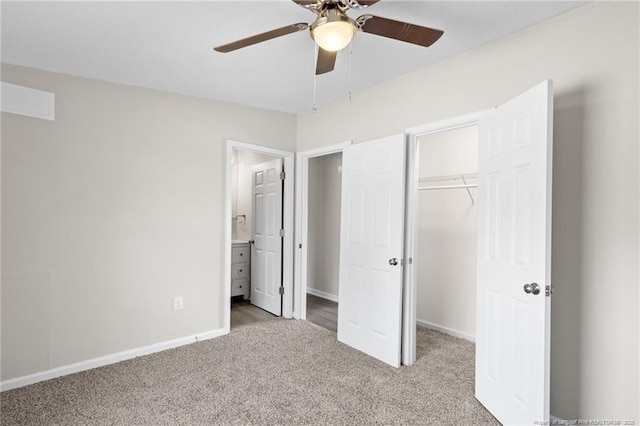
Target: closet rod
440, 178
428, 188
462, 176
465, 186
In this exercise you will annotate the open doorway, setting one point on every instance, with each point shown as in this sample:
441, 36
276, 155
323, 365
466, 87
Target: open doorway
433, 170
247, 217
323, 247
318, 209
446, 231
258, 242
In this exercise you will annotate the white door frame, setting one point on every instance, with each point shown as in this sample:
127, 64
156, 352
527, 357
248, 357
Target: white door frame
302, 223
409, 308
287, 215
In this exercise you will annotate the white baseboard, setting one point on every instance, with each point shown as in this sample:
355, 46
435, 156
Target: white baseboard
106, 360
446, 330
322, 294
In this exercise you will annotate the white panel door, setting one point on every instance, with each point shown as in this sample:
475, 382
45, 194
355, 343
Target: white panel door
514, 258
266, 252
371, 247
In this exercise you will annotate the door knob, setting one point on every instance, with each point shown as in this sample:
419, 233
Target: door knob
393, 261
533, 288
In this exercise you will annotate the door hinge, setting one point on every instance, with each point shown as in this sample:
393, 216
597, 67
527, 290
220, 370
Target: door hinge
283, 175
282, 232
281, 290
548, 290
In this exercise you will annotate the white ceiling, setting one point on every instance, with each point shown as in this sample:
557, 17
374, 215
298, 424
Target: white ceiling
168, 45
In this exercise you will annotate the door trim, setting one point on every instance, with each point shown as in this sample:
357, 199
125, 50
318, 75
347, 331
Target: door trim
409, 308
302, 222
287, 215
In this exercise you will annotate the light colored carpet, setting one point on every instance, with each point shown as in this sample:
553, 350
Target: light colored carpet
275, 372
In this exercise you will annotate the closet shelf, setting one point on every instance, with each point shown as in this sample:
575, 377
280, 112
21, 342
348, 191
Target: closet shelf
429, 188
461, 176
464, 177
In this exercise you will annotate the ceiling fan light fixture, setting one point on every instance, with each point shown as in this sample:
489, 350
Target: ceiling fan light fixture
333, 31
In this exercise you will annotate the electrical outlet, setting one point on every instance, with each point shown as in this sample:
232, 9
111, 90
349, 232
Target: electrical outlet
178, 303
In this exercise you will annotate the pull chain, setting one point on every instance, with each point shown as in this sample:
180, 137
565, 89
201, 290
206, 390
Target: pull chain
315, 56
350, 68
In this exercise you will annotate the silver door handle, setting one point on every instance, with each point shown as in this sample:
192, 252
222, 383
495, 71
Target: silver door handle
533, 288
393, 261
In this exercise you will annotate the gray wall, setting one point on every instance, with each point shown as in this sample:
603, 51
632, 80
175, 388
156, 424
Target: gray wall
595, 324
325, 189
447, 233
111, 210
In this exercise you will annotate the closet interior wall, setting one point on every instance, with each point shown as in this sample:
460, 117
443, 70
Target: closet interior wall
447, 230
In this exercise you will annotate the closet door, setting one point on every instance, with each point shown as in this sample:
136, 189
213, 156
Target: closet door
514, 258
371, 247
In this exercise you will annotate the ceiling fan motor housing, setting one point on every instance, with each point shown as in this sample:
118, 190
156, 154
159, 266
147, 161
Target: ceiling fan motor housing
333, 30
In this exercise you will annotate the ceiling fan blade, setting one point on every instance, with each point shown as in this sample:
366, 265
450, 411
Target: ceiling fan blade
360, 4
261, 37
403, 31
308, 4
326, 61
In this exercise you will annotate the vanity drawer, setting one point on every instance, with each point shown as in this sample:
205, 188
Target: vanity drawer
239, 287
240, 254
240, 270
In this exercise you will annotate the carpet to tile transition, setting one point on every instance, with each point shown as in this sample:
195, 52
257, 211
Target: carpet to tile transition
275, 372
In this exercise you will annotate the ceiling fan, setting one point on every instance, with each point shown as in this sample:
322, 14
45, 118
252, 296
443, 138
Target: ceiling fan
333, 30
